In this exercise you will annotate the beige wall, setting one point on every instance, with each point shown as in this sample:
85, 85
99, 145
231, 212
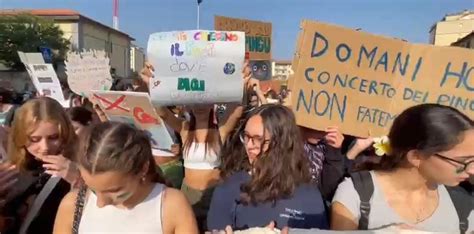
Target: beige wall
448, 32
137, 59
452, 28
71, 33
116, 45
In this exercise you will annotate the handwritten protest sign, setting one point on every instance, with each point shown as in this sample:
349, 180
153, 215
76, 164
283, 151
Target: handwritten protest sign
88, 70
196, 67
258, 35
361, 82
45, 81
136, 109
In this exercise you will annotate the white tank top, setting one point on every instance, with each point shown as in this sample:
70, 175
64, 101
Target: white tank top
196, 157
144, 218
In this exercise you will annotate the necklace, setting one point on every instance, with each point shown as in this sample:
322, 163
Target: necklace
421, 214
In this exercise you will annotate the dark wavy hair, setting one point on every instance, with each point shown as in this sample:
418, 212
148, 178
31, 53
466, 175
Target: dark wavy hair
426, 128
277, 172
213, 141
80, 114
233, 156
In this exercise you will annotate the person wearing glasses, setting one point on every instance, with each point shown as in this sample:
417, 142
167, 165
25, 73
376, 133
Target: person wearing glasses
431, 152
273, 184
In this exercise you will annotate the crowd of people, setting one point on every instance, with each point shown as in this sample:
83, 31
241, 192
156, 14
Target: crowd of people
247, 167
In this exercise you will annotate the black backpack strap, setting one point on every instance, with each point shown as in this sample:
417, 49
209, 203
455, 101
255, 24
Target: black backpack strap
461, 198
79, 207
364, 186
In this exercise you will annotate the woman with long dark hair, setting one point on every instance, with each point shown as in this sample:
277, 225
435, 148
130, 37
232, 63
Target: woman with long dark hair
202, 136
429, 149
274, 183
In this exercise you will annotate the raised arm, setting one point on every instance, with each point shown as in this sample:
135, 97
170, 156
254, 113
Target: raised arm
168, 116
255, 84
231, 121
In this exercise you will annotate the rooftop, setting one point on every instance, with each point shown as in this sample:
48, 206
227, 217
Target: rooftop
467, 37
459, 15
283, 61
61, 15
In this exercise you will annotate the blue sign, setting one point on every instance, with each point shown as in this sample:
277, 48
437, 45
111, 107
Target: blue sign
47, 54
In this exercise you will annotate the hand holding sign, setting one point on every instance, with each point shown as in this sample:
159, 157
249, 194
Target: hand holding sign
334, 137
147, 73
359, 146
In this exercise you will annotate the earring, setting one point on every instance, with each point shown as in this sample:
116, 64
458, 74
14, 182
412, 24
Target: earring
143, 179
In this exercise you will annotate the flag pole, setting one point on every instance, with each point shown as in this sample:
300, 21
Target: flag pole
198, 16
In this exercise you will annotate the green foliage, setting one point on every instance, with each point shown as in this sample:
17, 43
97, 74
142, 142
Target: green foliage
26, 33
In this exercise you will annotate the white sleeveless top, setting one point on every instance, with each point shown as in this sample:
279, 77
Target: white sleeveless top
144, 218
196, 157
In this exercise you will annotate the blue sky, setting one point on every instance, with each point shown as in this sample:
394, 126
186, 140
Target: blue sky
407, 19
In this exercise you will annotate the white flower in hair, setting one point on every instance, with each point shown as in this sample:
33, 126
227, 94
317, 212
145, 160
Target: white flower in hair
382, 146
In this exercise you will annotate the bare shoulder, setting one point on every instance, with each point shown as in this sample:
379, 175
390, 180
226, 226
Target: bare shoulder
174, 198
65, 215
177, 222
69, 201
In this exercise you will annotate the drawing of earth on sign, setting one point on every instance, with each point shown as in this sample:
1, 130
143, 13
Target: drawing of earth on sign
261, 70
229, 68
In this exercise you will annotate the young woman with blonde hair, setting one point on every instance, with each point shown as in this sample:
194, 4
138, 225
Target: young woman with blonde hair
40, 146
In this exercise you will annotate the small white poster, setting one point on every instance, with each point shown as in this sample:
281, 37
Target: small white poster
196, 67
45, 81
87, 71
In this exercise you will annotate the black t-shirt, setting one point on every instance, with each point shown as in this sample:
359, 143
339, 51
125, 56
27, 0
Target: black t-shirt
28, 187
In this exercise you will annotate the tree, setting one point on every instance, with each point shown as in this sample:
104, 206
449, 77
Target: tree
27, 33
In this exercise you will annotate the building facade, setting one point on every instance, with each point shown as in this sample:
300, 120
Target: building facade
85, 33
452, 28
466, 42
137, 58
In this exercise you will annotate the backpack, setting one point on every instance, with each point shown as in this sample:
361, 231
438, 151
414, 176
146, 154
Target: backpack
364, 186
